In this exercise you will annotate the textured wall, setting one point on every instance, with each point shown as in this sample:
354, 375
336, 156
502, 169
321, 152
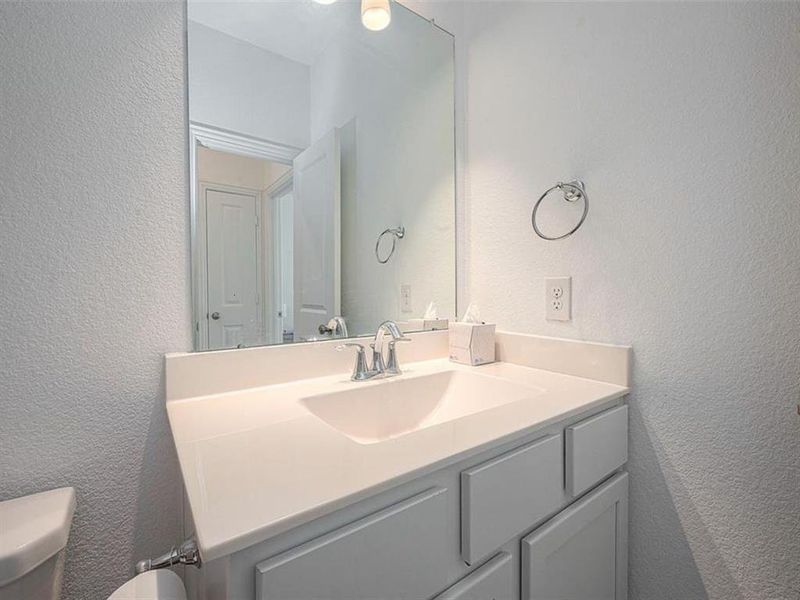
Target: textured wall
93, 271
683, 119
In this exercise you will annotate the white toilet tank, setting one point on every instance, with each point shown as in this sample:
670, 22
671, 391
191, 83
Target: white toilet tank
33, 534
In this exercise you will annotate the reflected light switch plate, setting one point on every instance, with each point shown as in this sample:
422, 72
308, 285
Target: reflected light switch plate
405, 298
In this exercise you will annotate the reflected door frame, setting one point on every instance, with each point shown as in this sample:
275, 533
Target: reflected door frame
277, 190
233, 143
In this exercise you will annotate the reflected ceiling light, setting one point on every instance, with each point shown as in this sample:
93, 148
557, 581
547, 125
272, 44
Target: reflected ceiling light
375, 14
324, 1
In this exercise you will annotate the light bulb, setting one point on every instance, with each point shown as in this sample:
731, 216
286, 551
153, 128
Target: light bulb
375, 14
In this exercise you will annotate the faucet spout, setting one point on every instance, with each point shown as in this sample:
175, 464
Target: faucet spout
389, 327
379, 366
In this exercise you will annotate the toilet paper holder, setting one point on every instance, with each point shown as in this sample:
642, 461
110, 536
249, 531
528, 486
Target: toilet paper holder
185, 554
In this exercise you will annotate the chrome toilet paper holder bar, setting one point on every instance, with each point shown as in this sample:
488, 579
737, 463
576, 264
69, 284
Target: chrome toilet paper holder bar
186, 554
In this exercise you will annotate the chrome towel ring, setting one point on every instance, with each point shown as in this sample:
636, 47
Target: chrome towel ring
398, 233
573, 191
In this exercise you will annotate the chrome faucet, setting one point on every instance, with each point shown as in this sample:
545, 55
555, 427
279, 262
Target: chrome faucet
360, 371
336, 327
379, 368
391, 366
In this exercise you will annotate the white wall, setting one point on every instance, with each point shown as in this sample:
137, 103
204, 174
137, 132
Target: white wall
393, 94
236, 86
94, 271
683, 121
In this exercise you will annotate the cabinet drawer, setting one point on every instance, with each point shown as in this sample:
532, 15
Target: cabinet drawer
399, 552
492, 581
581, 553
596, 447
509, 494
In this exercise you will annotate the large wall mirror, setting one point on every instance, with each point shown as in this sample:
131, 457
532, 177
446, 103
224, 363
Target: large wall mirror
322, 170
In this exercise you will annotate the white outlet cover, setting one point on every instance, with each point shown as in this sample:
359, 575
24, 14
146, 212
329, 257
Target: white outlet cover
558, 298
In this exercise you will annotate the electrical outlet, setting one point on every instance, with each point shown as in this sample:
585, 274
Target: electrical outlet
558, 298
405, 298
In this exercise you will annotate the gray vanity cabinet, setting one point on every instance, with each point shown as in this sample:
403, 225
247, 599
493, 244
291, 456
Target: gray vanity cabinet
541, 517
581, 553
400, 552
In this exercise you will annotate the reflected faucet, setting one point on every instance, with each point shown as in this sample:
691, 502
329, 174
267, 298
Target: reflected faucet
336, 327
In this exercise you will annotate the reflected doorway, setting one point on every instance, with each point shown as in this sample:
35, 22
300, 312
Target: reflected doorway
244, 242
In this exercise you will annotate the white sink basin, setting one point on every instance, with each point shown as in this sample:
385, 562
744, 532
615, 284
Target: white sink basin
395, 407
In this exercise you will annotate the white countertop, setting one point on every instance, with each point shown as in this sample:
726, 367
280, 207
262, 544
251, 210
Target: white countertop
256, 463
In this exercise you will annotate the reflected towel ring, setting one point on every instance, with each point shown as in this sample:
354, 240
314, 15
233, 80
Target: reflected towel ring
398, 233
573, 191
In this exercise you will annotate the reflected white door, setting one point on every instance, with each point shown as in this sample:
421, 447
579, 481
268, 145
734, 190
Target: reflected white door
317, 247
283, 234
232, 250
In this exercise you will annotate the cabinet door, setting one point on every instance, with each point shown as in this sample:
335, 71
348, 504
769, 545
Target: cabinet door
398, 553
596, 447
509, 494
581, 553
492, 581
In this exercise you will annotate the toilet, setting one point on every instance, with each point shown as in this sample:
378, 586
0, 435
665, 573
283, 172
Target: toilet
34, 530
34, 533
160, 584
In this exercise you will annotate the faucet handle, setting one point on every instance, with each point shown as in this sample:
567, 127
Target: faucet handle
337, 327
341, 347
360, 370
378, 366
392, 366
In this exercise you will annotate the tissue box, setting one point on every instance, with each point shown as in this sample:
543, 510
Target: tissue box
471, 343
426, 324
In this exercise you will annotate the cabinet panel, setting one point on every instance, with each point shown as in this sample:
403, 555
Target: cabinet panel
596, 448
581, 553
508, 495
492, 581
400, 552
